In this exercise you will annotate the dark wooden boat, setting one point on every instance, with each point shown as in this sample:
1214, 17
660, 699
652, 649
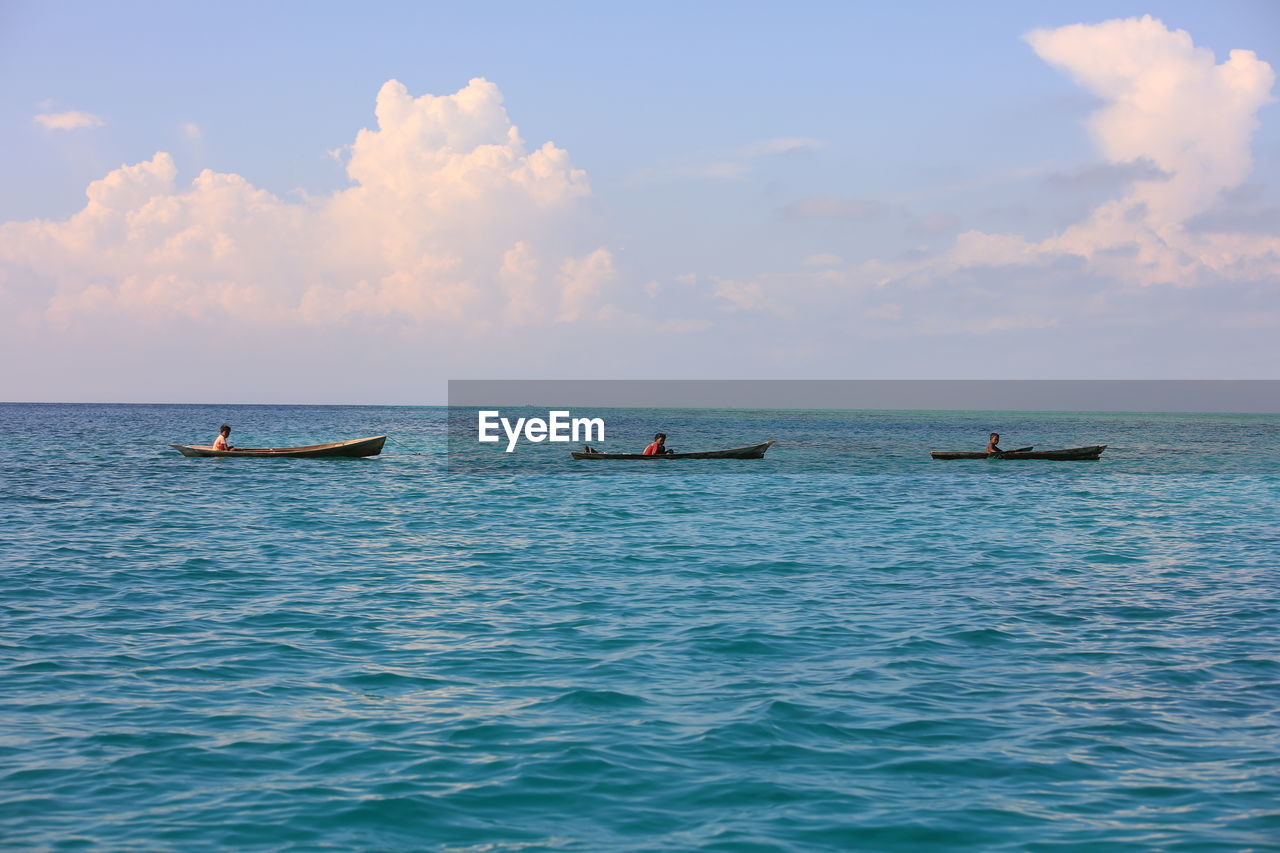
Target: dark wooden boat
755, 451
353, 449
1093, 451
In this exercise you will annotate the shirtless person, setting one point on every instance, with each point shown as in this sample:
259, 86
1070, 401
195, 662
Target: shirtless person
220, 443
993, 443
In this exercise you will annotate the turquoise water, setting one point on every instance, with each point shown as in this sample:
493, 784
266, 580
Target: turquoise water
854, 648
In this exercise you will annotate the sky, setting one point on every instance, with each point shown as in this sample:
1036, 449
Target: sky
316, 202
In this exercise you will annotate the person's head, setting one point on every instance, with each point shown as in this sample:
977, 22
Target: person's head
660, 437
225, 429
995, 436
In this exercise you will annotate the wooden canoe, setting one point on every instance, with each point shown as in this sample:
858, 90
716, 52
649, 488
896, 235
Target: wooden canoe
755, 451
355, 448
1093, 451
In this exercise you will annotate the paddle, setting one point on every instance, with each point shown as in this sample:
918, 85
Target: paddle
1016, 450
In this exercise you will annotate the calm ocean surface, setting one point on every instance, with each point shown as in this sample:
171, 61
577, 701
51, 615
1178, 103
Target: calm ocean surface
855, 647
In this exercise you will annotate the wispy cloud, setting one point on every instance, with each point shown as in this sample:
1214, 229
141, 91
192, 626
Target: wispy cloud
933, 224
69, 120
780, 145
835, 207
1107, 175
732, 164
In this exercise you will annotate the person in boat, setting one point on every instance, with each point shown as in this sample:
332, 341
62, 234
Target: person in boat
659, 446
993, 443
220, 443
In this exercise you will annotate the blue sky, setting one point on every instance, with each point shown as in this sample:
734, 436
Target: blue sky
723, 142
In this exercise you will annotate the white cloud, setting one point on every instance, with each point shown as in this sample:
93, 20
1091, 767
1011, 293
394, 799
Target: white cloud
683, 326
780, 145
825, 259
734, 164
582, 281
888, 311
456, 242
834, 207
69, 120
192, 131
1175, 128
1170, 103
449, 220
935, 224
736, 295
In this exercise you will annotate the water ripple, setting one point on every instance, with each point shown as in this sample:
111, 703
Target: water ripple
871, 653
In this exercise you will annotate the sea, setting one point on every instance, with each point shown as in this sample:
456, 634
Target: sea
845, 645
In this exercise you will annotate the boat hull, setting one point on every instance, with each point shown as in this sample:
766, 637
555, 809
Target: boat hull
755, 451
353, 449
1069, 454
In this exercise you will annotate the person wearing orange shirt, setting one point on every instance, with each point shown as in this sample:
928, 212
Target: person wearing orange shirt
659, 446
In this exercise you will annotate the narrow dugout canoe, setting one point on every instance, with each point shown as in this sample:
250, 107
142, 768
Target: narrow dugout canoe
1093, 451
755, 451
353, 449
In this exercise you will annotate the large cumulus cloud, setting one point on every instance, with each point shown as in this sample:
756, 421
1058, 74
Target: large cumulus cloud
1180, 123
444, 193
458, 248
1174, 127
